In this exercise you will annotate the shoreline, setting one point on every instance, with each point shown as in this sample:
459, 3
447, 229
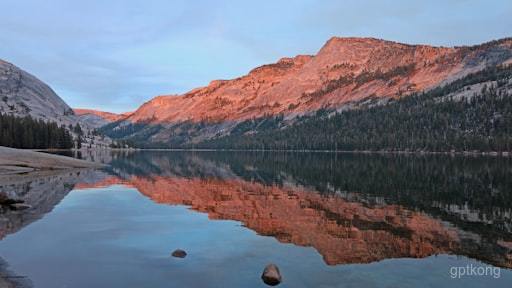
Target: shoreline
402, 152
19, 161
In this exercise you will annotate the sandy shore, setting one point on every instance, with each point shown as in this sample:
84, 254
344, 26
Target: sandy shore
16, 161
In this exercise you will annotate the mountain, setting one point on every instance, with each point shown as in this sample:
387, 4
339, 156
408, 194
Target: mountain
345, 72
97, 118
471, 114
23, 95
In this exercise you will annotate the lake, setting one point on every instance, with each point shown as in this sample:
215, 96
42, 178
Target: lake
325, 219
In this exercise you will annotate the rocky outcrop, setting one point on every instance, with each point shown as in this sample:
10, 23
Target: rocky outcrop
23, 94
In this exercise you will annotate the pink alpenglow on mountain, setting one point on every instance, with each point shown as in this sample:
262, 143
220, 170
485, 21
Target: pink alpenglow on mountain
344, 70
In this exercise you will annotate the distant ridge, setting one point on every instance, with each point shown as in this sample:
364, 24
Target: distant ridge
97, 118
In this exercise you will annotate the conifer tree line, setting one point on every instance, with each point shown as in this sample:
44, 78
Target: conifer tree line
427, 121
29, 133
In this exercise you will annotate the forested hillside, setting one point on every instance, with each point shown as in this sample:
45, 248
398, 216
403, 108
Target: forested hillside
472, 113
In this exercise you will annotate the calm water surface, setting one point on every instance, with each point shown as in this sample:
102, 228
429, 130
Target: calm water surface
327, 220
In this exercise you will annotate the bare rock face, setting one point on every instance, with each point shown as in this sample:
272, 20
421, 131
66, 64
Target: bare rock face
271, 275
344, 71
22, 94
178, 253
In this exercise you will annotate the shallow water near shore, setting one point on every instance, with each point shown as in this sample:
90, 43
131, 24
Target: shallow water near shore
326, 220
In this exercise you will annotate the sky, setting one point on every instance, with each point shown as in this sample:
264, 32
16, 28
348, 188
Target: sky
115, 55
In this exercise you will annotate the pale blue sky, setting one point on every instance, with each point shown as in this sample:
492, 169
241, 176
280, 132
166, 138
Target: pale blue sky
115, 55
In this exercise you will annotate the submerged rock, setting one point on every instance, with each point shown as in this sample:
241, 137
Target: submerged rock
178, 253
271, 275
19, 206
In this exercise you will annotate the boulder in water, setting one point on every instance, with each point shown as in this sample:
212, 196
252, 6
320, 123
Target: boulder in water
271, 275
178, 253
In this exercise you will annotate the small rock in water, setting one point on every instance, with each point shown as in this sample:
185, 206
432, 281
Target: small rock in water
179, 253
271, 275
20, 206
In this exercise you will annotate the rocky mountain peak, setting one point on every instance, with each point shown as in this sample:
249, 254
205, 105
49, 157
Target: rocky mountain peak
22, 94
282, 66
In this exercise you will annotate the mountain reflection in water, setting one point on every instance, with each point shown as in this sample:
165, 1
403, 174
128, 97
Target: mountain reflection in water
350, 208
41, 190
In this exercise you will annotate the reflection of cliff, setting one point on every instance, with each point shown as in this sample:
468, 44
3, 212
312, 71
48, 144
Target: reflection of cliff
41, 190
351, 208
343, 232
472, 189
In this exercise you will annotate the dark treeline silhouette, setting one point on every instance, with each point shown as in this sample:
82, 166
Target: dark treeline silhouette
429, 121
29, 133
